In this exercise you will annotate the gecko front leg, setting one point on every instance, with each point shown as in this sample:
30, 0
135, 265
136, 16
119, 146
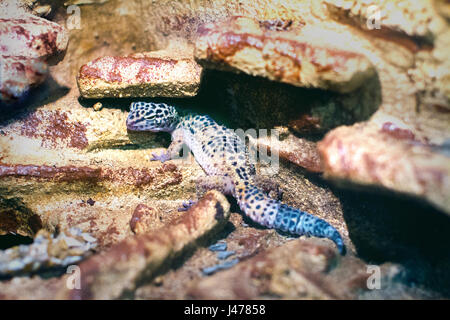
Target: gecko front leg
173, 150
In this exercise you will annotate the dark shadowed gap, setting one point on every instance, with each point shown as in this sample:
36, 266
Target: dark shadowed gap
11, 240
388, 227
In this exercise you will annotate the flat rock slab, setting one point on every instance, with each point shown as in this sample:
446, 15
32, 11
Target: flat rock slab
151, 74
58, 167
290, 56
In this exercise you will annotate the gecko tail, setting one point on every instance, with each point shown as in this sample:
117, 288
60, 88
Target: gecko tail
295, 221
274, 214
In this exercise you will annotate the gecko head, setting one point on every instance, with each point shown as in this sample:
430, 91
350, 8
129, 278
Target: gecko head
150, 116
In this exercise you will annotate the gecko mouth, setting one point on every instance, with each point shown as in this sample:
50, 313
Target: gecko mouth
140, 126
136, 126
131, 125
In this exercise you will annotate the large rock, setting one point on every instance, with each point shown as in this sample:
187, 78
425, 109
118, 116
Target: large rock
388, 157
292, 56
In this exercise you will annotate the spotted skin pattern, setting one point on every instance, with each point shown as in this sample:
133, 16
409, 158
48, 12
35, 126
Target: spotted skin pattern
223, 156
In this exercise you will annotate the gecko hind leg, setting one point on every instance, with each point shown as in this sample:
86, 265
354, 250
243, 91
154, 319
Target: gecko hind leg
269, 187
206, 183
219, 183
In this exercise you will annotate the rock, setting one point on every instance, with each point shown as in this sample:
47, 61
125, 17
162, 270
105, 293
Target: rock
151, 74
296, 150
14, 8
443, 8
297, 58
397, 149
145, 219
29, 43
418, 20
389, 157
53, 161
21, 288
17, 218
98, 106
19, 75
33, 37
47, 252
292, 271
114, 272
305, 269
397, 29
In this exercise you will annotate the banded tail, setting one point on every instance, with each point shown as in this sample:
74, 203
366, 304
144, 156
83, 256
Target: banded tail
274, 214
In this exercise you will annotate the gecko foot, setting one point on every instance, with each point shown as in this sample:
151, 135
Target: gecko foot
187, 205
164, 156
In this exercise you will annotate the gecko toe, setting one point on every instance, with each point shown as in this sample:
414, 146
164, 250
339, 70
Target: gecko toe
187, 205
164, 156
